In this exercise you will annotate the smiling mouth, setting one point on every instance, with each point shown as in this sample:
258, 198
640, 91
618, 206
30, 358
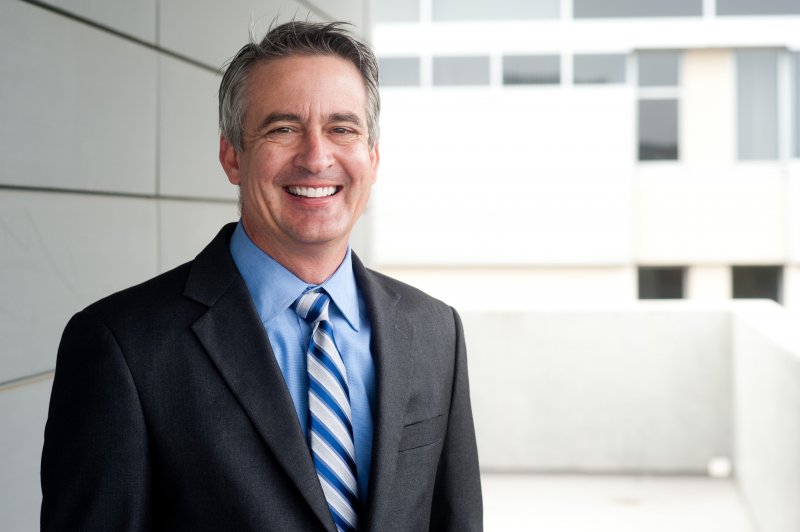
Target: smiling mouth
312, 192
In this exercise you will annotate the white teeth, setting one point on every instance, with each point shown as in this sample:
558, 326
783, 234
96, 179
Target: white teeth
311, 192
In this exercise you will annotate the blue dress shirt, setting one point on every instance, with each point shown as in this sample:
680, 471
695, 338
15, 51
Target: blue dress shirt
274, 289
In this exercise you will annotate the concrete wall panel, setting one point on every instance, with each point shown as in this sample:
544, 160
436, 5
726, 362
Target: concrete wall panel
133, 17
58, 253
78, 105
23, 411
212, 32
604, 391
766, 351
189, 139
186, 227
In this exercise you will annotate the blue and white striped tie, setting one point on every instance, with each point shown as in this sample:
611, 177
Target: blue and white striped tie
330, 431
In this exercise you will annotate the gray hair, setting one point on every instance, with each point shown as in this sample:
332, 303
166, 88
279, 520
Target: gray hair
295, 38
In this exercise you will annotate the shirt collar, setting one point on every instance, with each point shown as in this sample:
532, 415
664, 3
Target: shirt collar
274, 288
342, 288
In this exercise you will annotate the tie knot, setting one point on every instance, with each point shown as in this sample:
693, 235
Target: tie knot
312, 305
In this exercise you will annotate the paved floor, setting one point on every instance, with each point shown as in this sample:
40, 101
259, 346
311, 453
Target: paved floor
565, 503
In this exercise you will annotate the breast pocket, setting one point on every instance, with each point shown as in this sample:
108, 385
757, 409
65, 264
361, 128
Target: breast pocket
422, 433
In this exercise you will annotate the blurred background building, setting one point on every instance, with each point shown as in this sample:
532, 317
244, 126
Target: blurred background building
590, 150
546, 164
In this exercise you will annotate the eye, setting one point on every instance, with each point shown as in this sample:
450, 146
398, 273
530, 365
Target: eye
340, 130
280, 130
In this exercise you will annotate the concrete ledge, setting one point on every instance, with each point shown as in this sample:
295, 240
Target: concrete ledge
766, 353
643, 389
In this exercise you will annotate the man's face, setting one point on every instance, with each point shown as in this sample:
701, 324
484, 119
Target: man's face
306, 168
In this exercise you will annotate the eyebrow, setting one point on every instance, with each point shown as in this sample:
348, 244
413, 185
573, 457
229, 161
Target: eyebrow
345, 117
277, 117
272, 118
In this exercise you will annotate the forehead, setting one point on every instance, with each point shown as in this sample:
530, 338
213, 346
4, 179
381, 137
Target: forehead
304, 84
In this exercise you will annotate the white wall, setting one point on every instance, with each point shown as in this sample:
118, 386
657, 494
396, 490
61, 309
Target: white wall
707, 108
735, 217
520, 289
709, 283
766, 351
639, 389
538, 176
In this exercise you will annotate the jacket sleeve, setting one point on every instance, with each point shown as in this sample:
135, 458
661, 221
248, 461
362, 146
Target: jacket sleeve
457, 501
95, 463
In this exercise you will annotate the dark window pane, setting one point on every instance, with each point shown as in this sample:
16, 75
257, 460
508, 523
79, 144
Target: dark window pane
531, 69
658, 69
495, 9
758, 7
396, 10
661, 283
637, 8
599, 68
399, 71
460, 70
762, 282
757, 104
658, 130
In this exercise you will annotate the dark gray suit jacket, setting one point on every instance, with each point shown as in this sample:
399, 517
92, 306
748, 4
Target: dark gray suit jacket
169, 412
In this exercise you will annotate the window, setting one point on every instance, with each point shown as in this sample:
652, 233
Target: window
460, 70
658, 69
658, 130
757, 104
599, 68
444, 10
531, 69
399, 71
758, 7
396, 10
661, 283
637, 8
658, 106
762, 282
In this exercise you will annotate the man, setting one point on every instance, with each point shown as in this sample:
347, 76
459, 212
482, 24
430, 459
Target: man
272, 383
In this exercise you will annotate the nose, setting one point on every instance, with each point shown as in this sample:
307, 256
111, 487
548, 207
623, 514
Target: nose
314, 154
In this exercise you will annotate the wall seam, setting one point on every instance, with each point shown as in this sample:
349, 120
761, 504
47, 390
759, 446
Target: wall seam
113, 194
122, 35
26, 380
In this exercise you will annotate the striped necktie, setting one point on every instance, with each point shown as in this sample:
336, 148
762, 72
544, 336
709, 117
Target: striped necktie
330, 430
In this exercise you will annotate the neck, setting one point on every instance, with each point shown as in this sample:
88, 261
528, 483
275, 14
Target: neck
311, 269
313, 264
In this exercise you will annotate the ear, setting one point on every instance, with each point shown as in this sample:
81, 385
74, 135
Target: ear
375, 159
229, 159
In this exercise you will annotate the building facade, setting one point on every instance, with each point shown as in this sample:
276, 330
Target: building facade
562, 151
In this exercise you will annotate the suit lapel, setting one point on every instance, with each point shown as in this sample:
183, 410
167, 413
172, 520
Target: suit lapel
234, 338
390, 333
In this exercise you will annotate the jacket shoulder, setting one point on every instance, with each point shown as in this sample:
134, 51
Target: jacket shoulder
159, 292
